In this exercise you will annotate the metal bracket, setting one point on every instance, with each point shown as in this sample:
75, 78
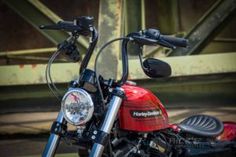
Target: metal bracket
58, 128
101, 137
119, 93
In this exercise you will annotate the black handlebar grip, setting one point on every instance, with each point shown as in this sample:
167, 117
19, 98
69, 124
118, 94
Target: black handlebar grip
56, 27
178, 42
62, 25
66, 23
144, 41
59, 25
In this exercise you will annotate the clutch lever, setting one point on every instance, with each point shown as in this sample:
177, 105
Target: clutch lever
54, 27
68, 26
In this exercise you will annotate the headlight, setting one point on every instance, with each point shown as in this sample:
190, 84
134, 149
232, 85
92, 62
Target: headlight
77, 106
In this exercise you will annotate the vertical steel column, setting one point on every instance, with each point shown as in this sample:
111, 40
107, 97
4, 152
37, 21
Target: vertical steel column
143, 18
167, 16
110, 19
133, 16
166, 19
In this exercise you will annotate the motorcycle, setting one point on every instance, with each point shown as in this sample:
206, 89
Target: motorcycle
116, 118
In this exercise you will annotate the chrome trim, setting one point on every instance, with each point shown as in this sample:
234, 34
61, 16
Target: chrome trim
114, 106
53, 141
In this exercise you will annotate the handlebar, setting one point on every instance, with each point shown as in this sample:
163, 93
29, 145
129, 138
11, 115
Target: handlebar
89, 51
61, 25
154, 37
68, 26
125, 64
84, 26
178, 42
81, 25
147, 37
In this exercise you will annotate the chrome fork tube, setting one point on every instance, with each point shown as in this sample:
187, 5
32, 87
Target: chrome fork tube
108, 122
53, 141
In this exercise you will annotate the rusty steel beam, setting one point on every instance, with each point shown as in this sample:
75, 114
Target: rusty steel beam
35, 73
191, 65
28, 51
134, 12
206, 27
109, 27
65, 72
134, 20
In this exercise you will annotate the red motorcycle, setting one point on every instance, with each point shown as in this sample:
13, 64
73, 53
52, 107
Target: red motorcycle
119, 119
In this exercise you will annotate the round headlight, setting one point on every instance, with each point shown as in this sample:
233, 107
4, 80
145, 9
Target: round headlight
77, 106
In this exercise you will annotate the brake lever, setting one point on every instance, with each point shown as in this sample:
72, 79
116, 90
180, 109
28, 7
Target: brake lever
144, 41
166, 44
156, 35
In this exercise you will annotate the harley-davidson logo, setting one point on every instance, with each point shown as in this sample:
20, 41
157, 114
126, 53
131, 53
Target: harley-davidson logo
145, 113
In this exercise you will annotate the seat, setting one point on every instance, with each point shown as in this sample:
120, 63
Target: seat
202, 125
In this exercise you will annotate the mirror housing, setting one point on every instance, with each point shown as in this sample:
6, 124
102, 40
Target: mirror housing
156, 68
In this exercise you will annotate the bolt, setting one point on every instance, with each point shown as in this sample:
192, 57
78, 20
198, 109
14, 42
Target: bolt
95, 132
93, 137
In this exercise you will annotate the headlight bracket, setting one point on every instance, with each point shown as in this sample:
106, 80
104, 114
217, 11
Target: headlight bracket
58, 128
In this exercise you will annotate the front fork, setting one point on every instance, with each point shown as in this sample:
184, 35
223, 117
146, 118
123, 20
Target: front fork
54, 139
104, 132
102, 135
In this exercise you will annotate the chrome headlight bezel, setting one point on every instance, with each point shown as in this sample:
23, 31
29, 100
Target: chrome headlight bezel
86, 110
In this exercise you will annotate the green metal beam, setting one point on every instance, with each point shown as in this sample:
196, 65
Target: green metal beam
64, 72
165, 84
143, 18
168, 16
34, 58
133, 15
28, 51
134, 20
110, 27
36, 13
206, 27
35, 73
191, 65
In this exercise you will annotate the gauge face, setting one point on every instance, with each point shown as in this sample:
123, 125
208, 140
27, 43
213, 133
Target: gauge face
77, 106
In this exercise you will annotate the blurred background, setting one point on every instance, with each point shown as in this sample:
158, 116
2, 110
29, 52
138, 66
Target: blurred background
203, 75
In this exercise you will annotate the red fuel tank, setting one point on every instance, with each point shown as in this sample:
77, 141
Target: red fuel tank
141, 111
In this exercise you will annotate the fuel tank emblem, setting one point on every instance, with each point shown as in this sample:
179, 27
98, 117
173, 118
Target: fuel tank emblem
145, 113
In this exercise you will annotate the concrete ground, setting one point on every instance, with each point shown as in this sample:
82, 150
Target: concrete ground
23, 134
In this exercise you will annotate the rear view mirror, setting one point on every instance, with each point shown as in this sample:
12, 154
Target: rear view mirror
155, 68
